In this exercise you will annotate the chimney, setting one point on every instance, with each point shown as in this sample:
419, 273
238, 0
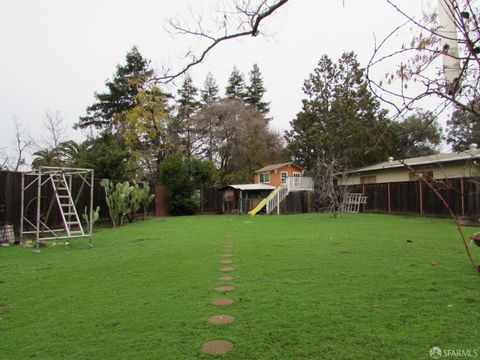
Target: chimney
472, 147
390, 159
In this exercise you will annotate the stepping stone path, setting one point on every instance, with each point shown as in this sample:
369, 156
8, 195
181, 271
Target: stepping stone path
222, 346
217, 347
222, 301
224, 288
220, 319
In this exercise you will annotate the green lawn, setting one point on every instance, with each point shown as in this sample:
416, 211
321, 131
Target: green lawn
306, 287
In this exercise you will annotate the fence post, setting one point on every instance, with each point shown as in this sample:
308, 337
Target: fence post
388, 198
420, 196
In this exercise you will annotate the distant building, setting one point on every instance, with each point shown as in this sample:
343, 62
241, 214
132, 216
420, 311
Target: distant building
463, 164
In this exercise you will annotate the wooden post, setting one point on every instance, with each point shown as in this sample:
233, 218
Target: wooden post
389, 198
240, 202
462, 194
421, 196
363, 192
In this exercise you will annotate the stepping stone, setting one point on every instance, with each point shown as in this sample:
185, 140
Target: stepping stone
227, 255
226, 261
220, 319
227, 269
225, 278
222, 301
217, 347
224, 288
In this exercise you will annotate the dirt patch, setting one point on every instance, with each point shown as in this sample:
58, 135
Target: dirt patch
227, 269
222, 301
224, 288
220, 319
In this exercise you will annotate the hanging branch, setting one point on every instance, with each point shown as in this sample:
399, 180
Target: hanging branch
249, 17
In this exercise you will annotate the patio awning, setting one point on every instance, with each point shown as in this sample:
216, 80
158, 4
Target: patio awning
247, 187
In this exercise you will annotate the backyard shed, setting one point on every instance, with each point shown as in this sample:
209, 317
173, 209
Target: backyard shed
243, 197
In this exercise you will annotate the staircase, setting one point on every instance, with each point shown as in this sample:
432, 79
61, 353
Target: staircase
275, 198
63, 195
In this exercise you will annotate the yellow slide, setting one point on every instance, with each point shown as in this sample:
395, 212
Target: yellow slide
262, 203
259, 207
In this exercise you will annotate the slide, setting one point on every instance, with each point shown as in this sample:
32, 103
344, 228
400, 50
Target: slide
262, 203
259, 207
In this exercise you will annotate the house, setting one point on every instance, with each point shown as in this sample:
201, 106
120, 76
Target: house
278, 174
272, 184
463, 164
394, 186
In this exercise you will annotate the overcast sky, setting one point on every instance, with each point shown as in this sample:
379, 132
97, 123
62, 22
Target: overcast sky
57, 53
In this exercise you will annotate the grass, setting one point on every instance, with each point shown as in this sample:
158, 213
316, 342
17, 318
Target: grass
306, 287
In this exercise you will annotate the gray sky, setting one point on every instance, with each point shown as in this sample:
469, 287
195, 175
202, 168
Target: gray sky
57, 53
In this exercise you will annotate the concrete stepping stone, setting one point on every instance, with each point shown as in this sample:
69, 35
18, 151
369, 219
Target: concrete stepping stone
225, 278
222, 301
227, 255
220, 319
224, 288
226, 261
217, 347
227, 269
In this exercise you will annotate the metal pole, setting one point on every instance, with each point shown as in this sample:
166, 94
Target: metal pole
39, 200
91, 211
22, 199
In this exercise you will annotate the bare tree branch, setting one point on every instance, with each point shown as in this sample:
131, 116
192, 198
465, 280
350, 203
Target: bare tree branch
249, 15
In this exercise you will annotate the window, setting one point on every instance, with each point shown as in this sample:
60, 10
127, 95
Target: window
426, 174
264, 177
284, 176
297, 179
368, 179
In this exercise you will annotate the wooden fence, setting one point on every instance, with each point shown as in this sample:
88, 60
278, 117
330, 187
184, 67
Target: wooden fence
415, 197
295, 203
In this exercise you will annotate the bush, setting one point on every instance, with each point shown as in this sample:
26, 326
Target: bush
182, 178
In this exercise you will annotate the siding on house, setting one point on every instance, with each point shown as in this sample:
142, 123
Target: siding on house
276, 174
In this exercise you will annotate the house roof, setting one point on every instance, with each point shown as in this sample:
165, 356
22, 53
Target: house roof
273, 167
422, 160
247, 187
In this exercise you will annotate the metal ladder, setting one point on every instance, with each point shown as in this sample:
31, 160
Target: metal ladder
69, 214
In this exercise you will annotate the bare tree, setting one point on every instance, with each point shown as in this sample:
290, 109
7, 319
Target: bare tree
56, 132
22, 143
241, 18
329, 178
448, 34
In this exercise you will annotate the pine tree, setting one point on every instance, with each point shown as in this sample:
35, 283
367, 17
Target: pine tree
340, 118
236, 85
209, 93
127, 81
256, 90
188, 106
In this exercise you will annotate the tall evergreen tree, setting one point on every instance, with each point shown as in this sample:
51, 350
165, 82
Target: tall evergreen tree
236, 85
127, 81
256, 90
209, 93
463, 130
188, 106
340, 119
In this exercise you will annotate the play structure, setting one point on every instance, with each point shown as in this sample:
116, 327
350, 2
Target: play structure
51, 201
274, 199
